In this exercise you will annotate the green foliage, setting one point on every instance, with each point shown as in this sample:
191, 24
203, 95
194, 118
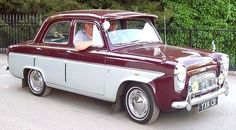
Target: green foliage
188, 16
199, 14
206, 15
202, 14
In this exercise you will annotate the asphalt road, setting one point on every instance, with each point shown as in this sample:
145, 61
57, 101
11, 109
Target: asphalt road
20, 110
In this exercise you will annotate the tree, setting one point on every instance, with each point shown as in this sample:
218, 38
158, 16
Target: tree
202, 14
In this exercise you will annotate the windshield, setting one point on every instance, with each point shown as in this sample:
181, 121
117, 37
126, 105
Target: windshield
125, 32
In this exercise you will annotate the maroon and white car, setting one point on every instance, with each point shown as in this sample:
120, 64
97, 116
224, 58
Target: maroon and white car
129, 66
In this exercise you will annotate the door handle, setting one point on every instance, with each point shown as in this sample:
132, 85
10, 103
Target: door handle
69, 51
38, 48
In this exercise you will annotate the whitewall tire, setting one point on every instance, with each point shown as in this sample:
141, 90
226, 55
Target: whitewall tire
140, 103
36, 83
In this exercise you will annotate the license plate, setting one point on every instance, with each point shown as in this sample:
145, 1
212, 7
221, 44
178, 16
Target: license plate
207, 104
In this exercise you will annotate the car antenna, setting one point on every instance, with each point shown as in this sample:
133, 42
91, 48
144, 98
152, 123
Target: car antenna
157, 51
165, 29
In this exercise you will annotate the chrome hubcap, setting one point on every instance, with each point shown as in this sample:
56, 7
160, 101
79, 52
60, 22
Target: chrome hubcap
36, 81
138, 103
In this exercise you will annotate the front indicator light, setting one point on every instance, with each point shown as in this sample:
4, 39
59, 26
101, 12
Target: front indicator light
195, 87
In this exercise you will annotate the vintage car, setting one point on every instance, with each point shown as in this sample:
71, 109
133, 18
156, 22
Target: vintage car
127, 64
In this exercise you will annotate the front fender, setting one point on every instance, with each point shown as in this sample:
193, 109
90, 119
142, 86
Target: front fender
115, 77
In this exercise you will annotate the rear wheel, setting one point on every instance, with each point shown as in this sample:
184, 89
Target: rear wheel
36, 83
140, 104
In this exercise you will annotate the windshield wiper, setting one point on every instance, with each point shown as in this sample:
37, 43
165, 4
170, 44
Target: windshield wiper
141, 42
134, 42
124, 43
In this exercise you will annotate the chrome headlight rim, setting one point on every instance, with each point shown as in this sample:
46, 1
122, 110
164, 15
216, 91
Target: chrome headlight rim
221, 78
224, 64
180, 73
224, 68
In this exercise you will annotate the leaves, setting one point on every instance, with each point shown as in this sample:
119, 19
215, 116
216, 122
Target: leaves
180, 16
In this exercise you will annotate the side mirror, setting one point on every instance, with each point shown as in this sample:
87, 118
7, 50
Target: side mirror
106, 25
157, 51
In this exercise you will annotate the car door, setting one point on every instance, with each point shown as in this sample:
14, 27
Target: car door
51, 53
85, 69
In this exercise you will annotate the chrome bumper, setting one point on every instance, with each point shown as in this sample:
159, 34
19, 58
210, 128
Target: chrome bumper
189, 102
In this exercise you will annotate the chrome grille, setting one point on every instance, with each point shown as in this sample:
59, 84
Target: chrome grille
203, 82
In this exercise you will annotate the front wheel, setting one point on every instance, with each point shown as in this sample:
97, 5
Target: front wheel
140, 104
36, 83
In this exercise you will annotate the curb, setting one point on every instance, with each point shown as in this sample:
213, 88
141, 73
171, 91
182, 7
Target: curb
232, 73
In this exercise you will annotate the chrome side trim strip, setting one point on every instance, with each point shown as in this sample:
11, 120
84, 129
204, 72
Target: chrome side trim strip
59, 48
95, 52
132, 56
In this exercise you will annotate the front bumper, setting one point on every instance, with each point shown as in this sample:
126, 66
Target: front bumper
190, 101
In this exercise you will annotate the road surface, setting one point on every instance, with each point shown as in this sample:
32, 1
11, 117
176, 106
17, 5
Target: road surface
20, 110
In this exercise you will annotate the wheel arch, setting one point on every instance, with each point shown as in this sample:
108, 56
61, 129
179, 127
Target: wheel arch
24, 79
137, 79
124, 86
44, 90
27, 69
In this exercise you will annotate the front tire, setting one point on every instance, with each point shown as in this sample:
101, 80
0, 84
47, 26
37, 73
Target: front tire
36, 83
140, 104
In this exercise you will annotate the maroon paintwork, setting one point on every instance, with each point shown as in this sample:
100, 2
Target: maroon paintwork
164, 86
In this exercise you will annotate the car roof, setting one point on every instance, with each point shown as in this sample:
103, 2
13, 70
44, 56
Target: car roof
103, 14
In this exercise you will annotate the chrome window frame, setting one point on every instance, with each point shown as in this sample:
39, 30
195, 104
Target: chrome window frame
57, 43
87, 21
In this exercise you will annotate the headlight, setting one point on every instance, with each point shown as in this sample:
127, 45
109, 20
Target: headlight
180, 72
224, 68
193, 86
180, 76
224, 65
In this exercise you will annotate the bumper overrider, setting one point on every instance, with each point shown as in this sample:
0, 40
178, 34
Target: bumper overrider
191, 101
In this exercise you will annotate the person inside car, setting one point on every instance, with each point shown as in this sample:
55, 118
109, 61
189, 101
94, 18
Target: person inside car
83, 38
113, 26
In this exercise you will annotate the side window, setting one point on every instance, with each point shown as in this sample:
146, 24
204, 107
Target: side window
87, 32
58, 33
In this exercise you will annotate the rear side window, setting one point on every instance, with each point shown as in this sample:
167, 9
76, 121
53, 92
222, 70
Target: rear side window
58, 33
